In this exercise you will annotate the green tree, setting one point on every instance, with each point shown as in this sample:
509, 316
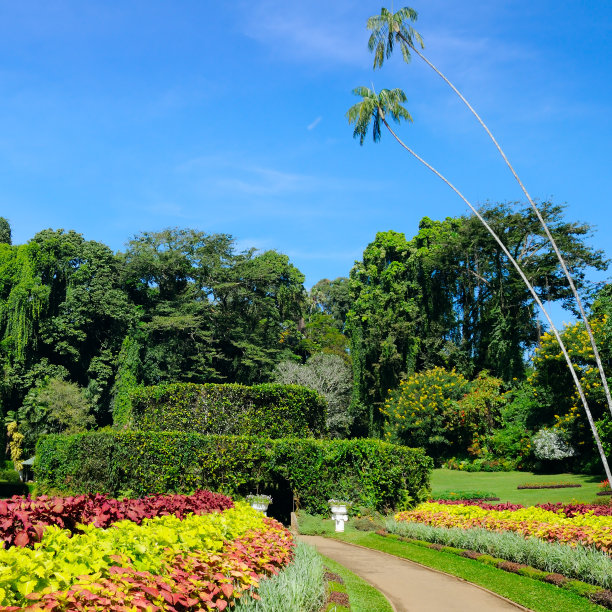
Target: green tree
5, 231
424, 411
209, 313
332, 298
62, 314
54, 406
381, 325
259, 307
450, 297
556, 405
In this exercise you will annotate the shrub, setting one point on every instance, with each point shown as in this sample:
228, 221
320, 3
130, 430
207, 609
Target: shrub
552, 444
424, 411
230, 409
370, 473
464, 495
482, 464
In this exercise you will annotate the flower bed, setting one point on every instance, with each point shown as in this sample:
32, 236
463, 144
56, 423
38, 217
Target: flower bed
464, 496
23, 520
497, 554
587, 529
550, 485
202, 562
565, 509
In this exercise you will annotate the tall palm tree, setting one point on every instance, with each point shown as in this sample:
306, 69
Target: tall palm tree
374, 108
389, 28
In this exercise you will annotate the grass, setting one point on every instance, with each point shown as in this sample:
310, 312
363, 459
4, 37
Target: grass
504, 484
536, 596
362, 596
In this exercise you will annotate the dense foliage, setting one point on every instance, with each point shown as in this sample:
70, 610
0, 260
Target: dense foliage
272, 410
443, 412
448, 298
83, 330
177, 305
369, 472
556, 403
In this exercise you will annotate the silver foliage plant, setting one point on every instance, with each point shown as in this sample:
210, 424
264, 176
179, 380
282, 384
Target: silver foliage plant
551, 444
330, 376
299, 586
581, 562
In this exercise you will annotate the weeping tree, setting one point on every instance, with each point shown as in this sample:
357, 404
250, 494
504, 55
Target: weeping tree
390, 29
374, 110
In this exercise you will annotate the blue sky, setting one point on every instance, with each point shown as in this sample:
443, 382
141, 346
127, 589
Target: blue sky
118, 117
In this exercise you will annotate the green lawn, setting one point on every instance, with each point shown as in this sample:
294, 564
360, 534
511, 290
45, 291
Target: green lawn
504, 484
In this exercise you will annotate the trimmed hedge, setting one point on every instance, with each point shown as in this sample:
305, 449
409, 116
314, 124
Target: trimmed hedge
272, 410
371, 473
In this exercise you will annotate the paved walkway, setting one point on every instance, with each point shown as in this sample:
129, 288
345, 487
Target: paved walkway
411, 587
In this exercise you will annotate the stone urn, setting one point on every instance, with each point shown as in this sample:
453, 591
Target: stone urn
260, 502
339, 512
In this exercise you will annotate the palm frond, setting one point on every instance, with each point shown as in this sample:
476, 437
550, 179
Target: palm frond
373, 109
388, 28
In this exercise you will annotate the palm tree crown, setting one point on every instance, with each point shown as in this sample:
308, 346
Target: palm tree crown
389, 27
375, 107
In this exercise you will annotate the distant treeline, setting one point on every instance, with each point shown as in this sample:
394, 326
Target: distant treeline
80, 324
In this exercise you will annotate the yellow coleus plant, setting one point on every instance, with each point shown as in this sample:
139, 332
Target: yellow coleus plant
585, 529
55, 562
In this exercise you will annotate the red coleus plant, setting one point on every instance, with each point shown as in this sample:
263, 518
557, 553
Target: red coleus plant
23, 520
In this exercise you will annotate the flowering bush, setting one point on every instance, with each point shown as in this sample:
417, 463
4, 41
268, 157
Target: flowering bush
424, 411
552, 444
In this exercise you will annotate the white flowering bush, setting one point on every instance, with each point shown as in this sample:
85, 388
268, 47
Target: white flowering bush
552, 444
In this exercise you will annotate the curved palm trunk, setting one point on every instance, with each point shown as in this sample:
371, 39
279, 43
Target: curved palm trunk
587, 325
531, 290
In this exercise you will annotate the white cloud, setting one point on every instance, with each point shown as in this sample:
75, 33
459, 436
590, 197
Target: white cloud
314, 124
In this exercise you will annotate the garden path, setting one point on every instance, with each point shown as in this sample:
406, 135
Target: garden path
409, 586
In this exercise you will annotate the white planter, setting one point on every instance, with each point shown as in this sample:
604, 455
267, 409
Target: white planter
261, 506
339, 515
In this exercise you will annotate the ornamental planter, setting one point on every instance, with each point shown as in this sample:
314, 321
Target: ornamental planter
262, 507
260, 502
339, 512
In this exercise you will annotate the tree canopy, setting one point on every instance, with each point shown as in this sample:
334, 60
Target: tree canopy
449, 298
